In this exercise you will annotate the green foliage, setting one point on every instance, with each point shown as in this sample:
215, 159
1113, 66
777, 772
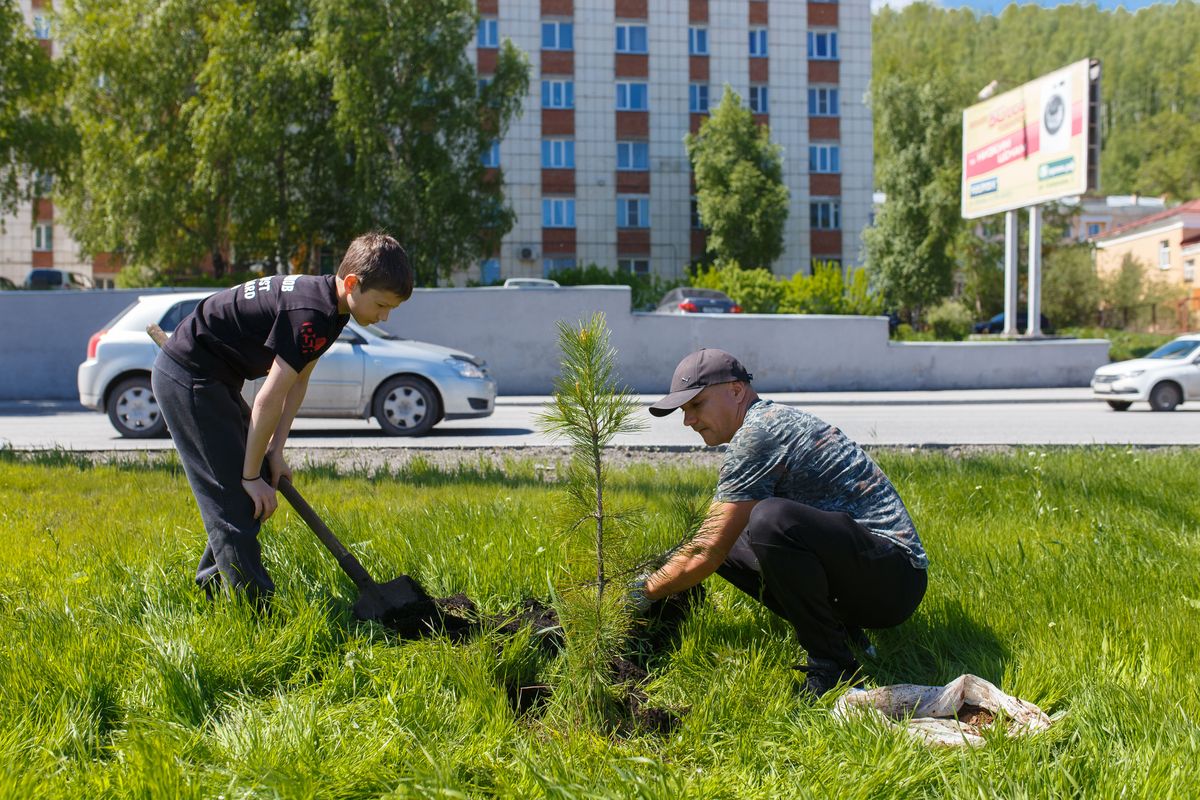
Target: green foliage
273, 130
646, 290
118, 680
34, 134
826, 291
742, 199
950, 320
1070, 286
1123, 345
757, 291
910, 254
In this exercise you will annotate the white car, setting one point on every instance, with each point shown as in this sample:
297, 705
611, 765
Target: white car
407, 386
1166, 378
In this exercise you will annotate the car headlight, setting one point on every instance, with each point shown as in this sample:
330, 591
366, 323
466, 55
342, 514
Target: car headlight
1132, 374
465, 368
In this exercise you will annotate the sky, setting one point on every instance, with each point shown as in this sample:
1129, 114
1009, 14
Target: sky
996, 6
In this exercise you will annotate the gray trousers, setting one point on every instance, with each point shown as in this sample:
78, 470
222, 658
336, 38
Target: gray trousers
208, 421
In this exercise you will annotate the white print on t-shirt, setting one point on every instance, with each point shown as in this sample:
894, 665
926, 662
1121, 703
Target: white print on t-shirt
289, 283
250, 288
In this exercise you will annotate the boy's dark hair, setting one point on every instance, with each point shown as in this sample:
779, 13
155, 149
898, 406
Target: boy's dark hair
380, 263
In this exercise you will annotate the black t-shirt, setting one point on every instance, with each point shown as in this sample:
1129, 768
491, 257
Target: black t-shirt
235, 335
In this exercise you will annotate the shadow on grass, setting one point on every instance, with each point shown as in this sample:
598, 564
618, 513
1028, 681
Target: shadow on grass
937, 645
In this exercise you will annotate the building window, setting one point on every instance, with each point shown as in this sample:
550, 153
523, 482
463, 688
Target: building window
558, 94
481, 85
631, 39
43, 184
758, 42
632, 97
697, 41
41, 27
553, 265
1189, 270
822, 45
697, 225
1164, 255
558, 212
633, 156
823, 103
698, 98
489, 271
758, 100
558, 154
558, 36
633, 212
825, 215
1094, 229
487, 33
491, 156
824, 158
43, 237
634, 266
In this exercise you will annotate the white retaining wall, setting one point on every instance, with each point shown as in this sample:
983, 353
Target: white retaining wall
43, 338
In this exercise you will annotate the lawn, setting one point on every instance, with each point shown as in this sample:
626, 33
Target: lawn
1068, 577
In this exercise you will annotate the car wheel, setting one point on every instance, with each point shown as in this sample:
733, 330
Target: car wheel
133, 411
406, 406
1119, 405
1165, 397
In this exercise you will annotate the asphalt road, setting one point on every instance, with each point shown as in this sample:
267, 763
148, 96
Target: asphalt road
918, 419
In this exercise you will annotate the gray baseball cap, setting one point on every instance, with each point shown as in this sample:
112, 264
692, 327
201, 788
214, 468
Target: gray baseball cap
696, 372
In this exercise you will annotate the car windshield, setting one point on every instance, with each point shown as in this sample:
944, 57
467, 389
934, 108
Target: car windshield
707, 294
1179, 349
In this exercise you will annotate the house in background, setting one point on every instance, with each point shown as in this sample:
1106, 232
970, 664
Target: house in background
1168, 244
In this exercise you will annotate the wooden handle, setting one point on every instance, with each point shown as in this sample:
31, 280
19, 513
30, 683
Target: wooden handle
346, 560
157, 334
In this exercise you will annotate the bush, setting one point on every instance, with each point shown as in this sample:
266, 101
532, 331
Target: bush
646, 290
757, 291
1123, 345
950, 320
827, 292
1070, 287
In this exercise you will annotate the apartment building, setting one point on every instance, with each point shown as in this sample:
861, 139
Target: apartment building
596, 168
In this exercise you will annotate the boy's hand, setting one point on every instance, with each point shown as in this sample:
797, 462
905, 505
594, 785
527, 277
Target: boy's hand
263, 495
279, 468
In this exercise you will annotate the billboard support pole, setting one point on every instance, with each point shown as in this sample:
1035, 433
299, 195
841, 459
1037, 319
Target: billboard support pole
1011, 249
1034, 289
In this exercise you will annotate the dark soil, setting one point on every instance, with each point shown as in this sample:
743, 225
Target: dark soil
975, 715
458, 617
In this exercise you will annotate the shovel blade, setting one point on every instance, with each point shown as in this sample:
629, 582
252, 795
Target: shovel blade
401, 604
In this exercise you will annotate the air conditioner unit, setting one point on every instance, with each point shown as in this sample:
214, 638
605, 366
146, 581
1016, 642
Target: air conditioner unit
527, 252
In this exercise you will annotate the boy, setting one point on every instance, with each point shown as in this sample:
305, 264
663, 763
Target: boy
277, 327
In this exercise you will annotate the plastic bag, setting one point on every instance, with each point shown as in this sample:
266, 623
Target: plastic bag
947, 716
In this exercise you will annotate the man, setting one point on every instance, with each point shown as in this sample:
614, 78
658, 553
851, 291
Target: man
802, 520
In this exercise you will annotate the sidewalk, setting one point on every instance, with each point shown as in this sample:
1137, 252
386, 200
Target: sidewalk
912, 398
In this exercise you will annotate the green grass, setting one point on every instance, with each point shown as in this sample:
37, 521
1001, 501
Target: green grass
1067, 577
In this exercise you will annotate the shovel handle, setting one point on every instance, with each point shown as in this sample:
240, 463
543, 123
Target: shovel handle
346, 560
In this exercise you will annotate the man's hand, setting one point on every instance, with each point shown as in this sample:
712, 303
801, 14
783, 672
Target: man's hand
278, 467
636, 598
263, 496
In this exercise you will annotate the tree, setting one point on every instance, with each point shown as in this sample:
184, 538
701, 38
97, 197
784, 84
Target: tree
1070, 286
410, 114
910, 248
742, 199
35, 138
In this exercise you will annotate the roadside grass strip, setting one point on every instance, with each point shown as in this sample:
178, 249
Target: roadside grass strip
1067, 577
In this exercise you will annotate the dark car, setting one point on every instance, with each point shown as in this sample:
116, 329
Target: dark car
688, 300
996, 323
56, 279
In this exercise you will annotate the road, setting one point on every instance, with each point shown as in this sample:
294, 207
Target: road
917, 419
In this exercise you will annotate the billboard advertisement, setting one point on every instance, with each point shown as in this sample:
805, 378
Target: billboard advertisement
1032, 144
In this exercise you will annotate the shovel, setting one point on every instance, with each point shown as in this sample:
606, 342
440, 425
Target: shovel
401, 603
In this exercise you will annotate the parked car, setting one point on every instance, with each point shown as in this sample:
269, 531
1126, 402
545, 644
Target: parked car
407, 386
996, 323
1166, 378
688, 300
530, 283
45, 278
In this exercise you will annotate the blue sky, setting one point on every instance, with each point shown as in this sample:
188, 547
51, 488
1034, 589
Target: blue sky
995, 6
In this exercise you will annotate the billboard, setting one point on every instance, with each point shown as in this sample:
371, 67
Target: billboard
1036, 143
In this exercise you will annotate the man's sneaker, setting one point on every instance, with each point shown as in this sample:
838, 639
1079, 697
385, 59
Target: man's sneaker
822, 675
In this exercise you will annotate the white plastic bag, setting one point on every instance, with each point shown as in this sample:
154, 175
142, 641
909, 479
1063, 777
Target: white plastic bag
947, 716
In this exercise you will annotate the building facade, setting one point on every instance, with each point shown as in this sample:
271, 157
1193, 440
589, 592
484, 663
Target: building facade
596, 167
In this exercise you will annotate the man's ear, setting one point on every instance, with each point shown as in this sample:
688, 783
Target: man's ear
350, 281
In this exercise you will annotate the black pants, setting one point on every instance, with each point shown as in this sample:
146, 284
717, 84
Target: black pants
822, 572
208, 421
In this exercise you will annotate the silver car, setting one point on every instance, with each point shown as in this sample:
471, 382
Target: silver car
407, 386
1165, 378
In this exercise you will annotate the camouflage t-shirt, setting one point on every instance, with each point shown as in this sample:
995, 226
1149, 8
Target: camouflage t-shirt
781, 451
